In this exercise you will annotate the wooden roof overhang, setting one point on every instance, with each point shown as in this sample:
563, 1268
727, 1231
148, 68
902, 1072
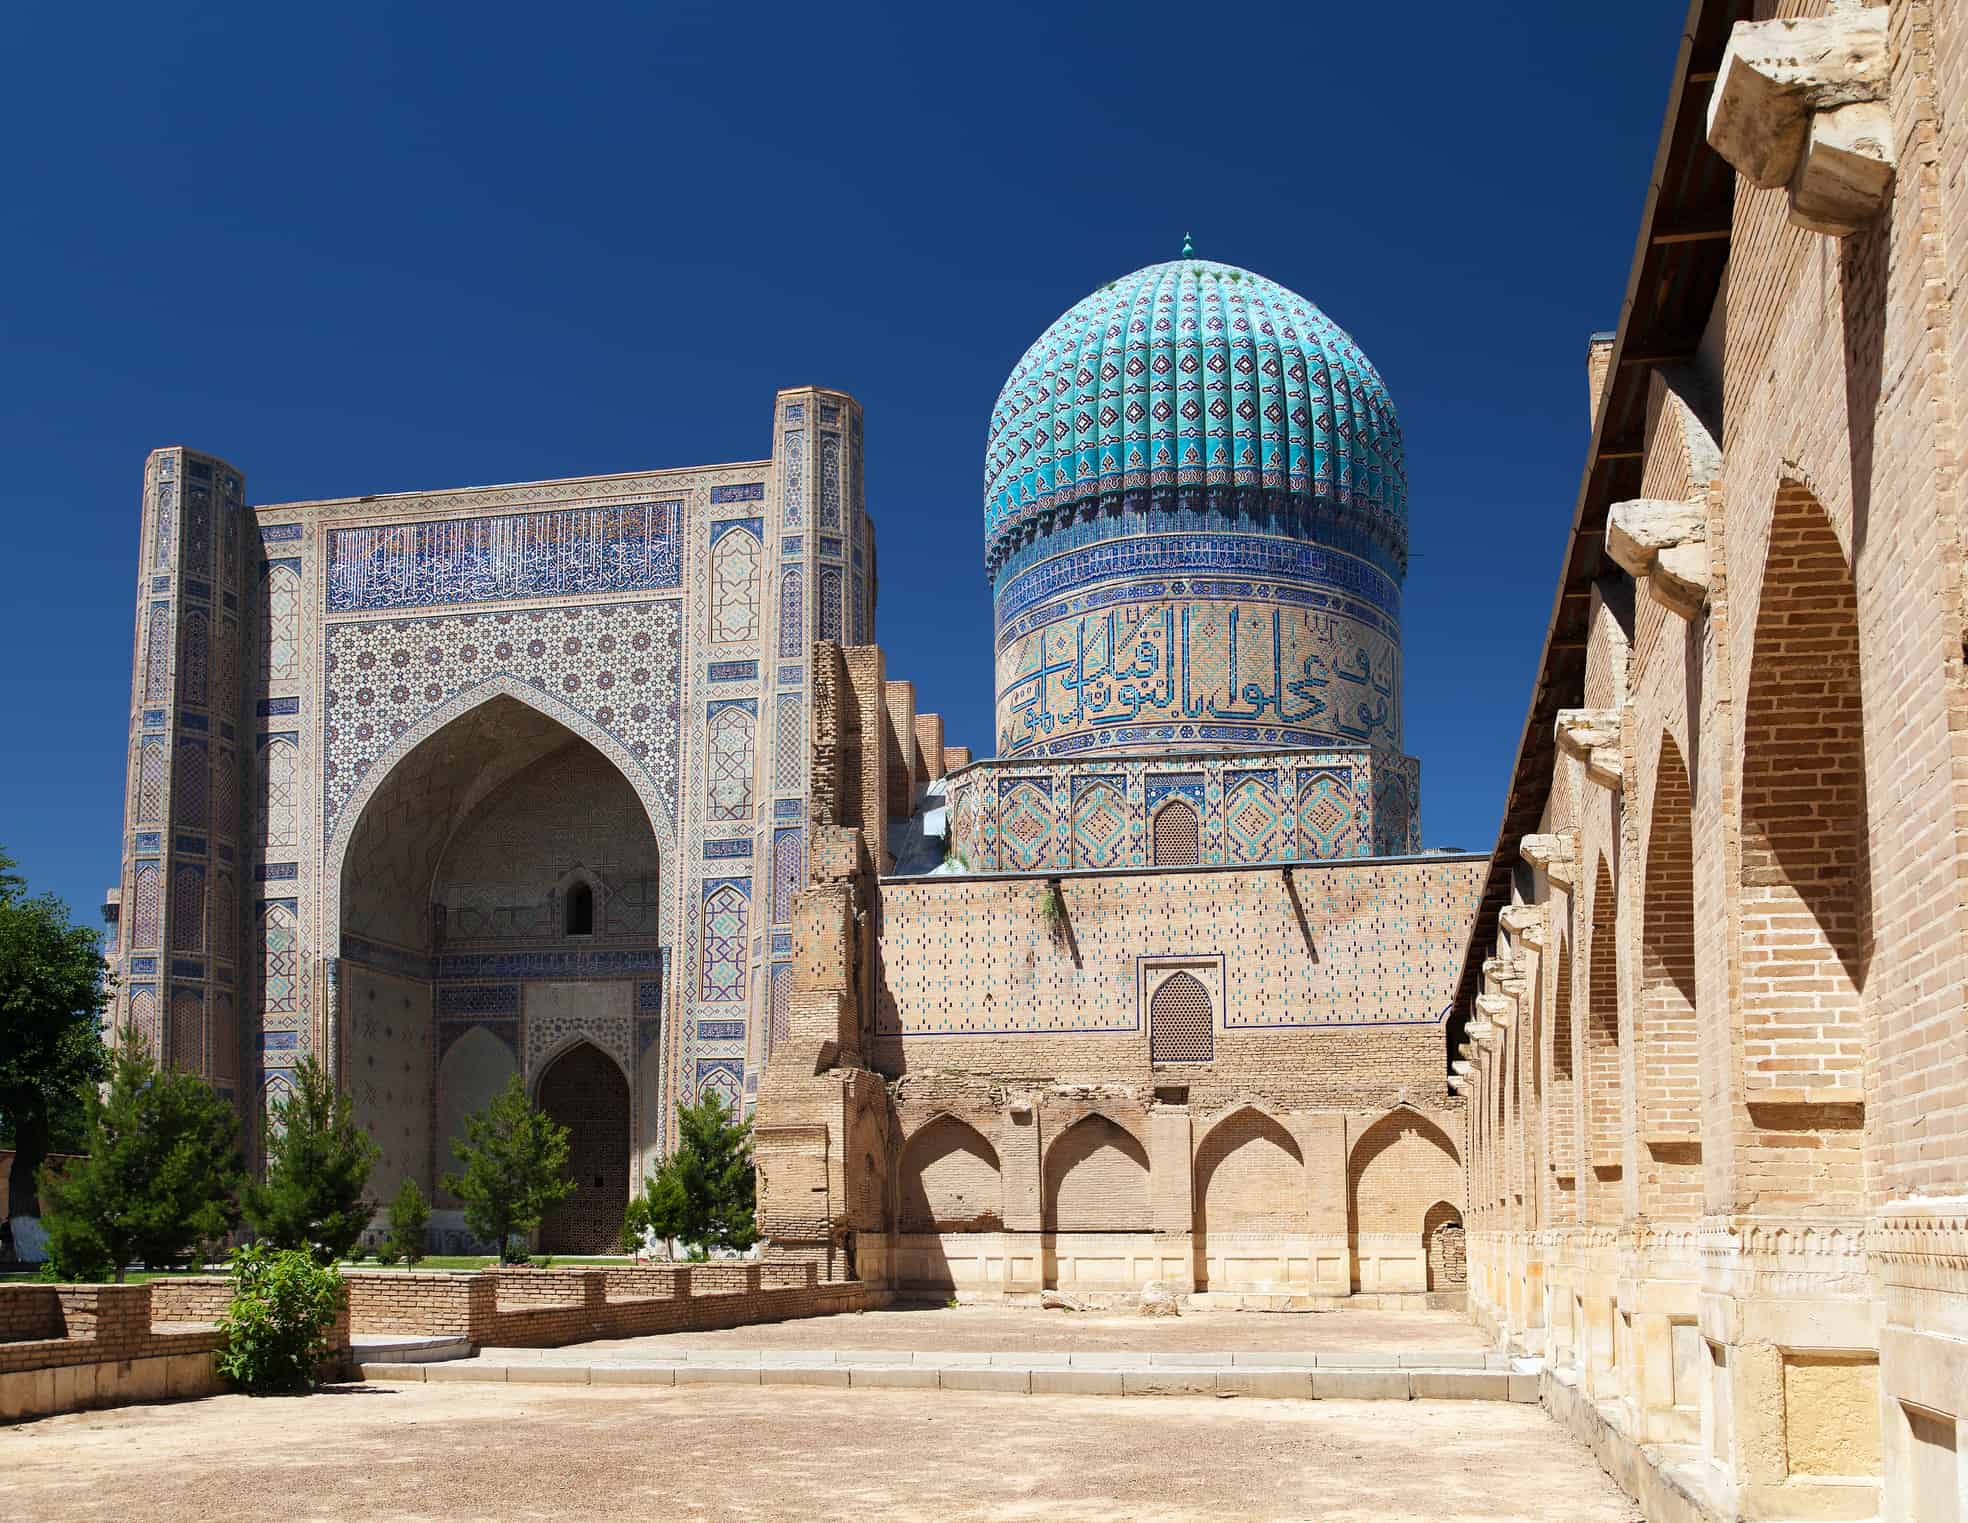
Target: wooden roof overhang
1678, 262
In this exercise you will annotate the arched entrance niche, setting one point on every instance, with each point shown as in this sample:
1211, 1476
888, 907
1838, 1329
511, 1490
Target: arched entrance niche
950, 1205
464, 956
1400, 1162
1441, 1233
1253, 1210
585, 1091
1095, 1208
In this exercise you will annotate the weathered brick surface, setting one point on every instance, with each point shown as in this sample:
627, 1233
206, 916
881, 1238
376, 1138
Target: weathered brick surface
1746, 1004
546, 1308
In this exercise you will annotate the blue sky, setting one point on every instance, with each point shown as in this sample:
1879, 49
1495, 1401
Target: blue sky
368, 248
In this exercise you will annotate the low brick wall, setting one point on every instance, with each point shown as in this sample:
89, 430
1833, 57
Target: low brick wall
545, 1308
107, 1345
101, 1350
32, 1311
66, 1347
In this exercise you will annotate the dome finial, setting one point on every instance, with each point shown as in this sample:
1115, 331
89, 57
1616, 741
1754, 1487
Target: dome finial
1188, 248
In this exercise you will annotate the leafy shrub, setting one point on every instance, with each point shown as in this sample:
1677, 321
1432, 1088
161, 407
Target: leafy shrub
276, 1331
409, 1215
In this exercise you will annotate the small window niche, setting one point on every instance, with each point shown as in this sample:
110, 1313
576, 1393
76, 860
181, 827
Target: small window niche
578, 908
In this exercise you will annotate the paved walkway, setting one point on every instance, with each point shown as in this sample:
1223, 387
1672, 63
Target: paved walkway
1013, 1328
439, 1453
1028, 1352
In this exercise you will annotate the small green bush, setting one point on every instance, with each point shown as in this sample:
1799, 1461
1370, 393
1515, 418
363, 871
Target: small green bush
284, 1305
409, 1216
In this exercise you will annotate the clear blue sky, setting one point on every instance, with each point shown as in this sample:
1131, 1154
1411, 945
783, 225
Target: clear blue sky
362, 248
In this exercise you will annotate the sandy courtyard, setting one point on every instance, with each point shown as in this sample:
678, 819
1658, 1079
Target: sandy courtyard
465, 1452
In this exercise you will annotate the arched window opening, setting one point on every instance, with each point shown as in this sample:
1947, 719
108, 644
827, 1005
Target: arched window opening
580, 910
1176, 835
1180, 1026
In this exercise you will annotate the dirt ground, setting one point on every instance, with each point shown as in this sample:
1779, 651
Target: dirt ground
1015, 1329
454, 1452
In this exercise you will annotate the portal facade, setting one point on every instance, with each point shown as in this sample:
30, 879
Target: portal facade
444, 786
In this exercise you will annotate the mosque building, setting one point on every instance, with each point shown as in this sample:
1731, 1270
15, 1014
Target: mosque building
602, 782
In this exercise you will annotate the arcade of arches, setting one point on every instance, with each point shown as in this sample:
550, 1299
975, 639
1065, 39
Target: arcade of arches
1711, 1034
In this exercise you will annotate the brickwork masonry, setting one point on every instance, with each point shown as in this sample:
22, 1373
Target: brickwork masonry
64, 1348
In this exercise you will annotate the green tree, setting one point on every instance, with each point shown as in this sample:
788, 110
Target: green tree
52, 993
512, 1168
317, 1169
704, 1194
161, 1176
409, 1215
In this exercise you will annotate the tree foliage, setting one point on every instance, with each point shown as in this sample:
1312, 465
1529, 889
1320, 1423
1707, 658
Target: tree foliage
512, 1168
52, 994
284, 1306
161, 1176
704, 1194
408, 1217
317, 1170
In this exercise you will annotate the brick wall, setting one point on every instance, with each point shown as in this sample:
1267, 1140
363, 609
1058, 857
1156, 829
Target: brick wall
546, 1308
1326, 989
30, 1312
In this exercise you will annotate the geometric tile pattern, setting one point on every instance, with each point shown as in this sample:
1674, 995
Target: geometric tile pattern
733, 726
1100, 821
735, 586
615, 664
1251, 817
1248, 808
725, 907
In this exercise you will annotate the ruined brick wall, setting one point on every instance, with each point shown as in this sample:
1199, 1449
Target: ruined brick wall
833, 763
1325, 987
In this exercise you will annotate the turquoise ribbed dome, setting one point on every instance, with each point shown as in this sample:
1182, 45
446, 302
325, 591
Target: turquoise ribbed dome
1196, 384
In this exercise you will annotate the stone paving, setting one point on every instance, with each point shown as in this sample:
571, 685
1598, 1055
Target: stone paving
1031, 1353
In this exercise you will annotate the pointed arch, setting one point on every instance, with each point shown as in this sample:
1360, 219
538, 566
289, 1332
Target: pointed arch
585, 1090
1441, 1232
462, 704
1806, 878
1399, 1164
1604, 1159
951, 1180
1666, 1026
1250, 1176
1096, 1178
1561, 1108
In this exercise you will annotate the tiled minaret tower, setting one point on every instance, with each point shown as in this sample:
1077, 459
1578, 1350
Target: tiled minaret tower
177, 952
